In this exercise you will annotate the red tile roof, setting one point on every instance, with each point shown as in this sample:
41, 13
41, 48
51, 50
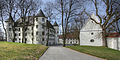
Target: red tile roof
69, 36
112, 35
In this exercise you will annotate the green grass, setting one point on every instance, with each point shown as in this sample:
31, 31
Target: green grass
21, 51
101, 52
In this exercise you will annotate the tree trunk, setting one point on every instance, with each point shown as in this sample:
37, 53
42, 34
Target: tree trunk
13, 33
47, 38
23, 31
104, 37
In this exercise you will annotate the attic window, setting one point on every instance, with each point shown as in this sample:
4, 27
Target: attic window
92, 33
92, 21
43, 20
92, 40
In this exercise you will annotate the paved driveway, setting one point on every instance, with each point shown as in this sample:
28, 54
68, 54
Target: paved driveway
61, 53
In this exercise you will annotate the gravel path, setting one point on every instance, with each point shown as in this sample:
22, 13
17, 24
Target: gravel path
61, 53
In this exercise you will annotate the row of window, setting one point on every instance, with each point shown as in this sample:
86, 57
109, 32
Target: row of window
43, 33
37, 26
26, 39
43, 20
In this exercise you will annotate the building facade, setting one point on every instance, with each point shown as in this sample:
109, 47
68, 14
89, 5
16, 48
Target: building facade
91, 33
70, 39
113, 40
37, 30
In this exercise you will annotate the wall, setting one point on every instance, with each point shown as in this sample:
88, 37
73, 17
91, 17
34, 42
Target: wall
69, 41
113, 43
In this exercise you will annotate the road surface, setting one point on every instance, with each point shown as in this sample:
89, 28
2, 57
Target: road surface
62, 53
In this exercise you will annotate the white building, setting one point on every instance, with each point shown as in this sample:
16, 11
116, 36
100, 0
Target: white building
113, 41
91, 33
70, 39
38, 30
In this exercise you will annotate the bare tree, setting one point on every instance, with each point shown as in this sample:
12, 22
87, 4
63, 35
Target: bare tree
67, 10
111, 15
2, 12
79, 22
48, 9
25, 8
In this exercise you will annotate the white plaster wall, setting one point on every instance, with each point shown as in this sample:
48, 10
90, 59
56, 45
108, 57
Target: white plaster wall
29, 35
85, 38
38, 38
112, 43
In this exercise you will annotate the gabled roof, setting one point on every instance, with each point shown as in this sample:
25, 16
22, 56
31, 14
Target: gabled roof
55, 24
90, 25
40, 14
49, 25
28, 21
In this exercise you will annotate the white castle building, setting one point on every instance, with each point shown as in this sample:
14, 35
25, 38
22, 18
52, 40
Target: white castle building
38, 30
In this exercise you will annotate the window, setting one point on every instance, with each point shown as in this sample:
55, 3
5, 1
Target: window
19, 34
25, 29
19, 29
36, 26
32, 28
43, 33
15, 34
9, 29
25, 34
92, 33
92, 40
19, 40
43, 39
43, 26
36, 19
43, 20
32, 33
37, 33
25, 40
92, 21
32, 39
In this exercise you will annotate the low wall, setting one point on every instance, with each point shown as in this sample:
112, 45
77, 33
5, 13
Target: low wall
114, 43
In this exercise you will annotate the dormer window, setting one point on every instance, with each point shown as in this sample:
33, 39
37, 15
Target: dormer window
43, 20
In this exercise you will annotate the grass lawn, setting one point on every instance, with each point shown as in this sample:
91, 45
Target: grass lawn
20, 51
101, 52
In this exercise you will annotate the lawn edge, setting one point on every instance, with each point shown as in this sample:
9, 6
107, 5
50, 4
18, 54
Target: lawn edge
86, 53
43, 53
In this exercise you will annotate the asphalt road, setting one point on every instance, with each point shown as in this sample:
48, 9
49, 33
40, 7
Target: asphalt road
61, 53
